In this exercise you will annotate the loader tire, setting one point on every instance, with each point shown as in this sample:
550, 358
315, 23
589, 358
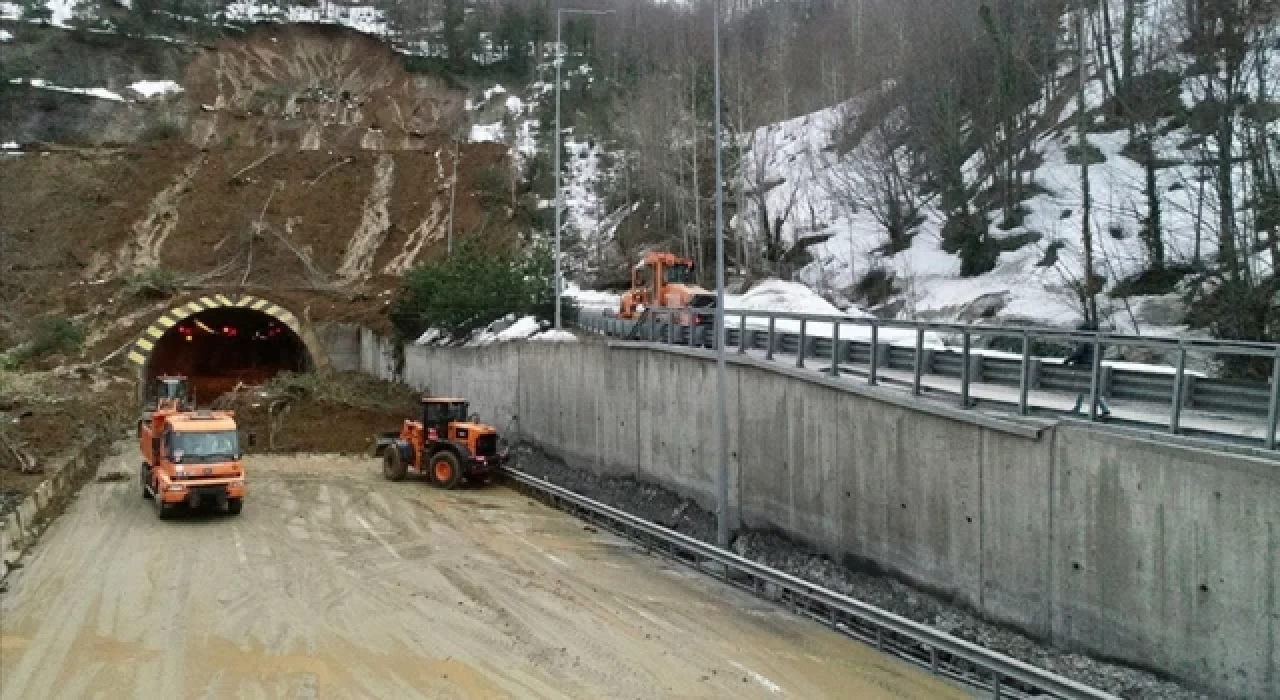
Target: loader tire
393, 467
446, 472
234, 505
143, 477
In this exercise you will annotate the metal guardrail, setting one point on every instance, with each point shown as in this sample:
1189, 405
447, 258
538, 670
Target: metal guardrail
1174, 389
942, 654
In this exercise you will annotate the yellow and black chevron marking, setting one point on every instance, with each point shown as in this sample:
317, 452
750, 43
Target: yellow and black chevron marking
142, 347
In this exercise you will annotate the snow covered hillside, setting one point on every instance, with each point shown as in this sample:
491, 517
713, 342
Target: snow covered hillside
801, 161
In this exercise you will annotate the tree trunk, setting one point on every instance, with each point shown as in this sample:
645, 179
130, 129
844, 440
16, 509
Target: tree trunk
1226, 196
1154, 228
1110, 56
1088, 291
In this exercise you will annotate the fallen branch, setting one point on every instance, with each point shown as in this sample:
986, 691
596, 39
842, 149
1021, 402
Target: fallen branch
331, 168
26, 463
235, 179
256, 229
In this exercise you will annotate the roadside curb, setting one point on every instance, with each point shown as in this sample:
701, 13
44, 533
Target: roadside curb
20, 529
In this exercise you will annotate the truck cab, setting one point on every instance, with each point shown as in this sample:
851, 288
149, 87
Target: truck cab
191, 458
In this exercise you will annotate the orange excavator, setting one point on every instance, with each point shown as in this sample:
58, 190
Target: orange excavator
667, 281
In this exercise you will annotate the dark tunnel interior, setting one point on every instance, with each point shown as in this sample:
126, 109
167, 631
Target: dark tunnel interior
220, 348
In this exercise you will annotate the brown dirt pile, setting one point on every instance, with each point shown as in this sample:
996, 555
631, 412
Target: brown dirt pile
335, 413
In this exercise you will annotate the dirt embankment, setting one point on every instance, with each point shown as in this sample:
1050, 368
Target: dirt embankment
46, 415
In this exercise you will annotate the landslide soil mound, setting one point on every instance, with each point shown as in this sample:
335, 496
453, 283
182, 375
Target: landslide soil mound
337, 413
309, 166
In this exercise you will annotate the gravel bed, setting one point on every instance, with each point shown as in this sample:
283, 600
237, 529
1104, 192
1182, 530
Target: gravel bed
666, 508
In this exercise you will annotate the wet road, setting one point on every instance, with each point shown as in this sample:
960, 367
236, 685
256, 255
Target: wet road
336, 584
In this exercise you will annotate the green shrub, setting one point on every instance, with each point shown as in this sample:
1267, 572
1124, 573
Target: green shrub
472, 289
161, 130
53, 335
153, 283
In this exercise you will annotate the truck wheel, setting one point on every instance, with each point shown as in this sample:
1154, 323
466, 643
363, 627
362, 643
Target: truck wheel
393, 467
445, 470
143, 477
234, 505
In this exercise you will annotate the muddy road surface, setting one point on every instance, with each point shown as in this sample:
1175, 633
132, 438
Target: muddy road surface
336, 584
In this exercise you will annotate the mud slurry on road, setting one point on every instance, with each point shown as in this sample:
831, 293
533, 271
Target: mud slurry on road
335, 583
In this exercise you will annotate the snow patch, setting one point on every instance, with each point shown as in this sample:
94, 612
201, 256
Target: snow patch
153, 88
100, 93
554, 336
369, 20
486, 133
591, 299
5, 36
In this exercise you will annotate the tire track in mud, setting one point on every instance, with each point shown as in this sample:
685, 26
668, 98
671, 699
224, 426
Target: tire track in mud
294, 597
55, 638
357, 264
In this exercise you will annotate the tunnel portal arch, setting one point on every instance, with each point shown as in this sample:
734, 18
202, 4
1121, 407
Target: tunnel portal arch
221, 340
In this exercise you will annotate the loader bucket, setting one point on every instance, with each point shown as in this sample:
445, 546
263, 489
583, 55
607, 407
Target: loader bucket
382, 441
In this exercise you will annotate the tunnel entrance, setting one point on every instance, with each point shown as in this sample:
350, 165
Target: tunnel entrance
219, 343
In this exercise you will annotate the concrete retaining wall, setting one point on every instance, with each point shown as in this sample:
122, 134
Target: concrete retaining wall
20, 528
1163, 556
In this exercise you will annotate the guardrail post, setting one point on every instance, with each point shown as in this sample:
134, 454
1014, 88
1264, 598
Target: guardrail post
873, 371
693, 330
742, 335
671, 328
965, 368
1179, 386
1024, 379
1273, 417
800, 353
835, 349
1095, 377
919, 363
768, 354
653, 327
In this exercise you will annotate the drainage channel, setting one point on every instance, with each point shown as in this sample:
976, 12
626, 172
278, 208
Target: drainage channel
989, 673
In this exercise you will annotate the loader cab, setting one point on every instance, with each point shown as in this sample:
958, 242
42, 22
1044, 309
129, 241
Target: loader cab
168, 392
438, 414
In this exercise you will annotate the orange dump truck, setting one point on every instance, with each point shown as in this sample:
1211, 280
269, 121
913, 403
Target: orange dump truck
191, 458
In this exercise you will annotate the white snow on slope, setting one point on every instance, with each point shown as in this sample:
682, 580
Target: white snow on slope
591, 299
5, 36
798, 153
152, 88
503, 330
369, 20
100, 93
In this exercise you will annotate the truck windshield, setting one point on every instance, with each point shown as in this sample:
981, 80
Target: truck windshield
206, 447
679, 274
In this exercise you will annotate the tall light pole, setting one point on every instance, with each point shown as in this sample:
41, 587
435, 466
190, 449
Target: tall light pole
722, 416
559, 195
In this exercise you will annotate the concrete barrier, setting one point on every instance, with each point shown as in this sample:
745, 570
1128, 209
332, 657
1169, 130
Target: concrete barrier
20, 528
1161, 555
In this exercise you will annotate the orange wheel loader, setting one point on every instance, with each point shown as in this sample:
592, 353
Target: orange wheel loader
446, 446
